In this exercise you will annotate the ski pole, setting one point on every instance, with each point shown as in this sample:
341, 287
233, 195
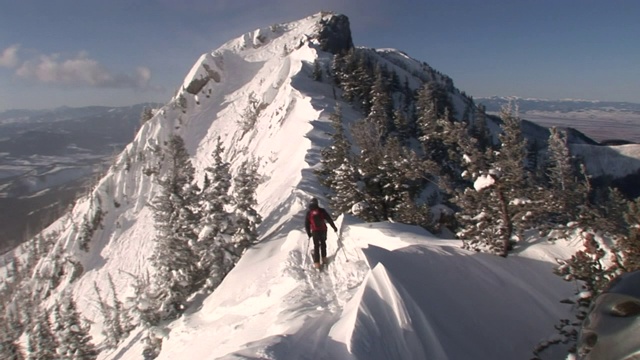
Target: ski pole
304, 255
341, 244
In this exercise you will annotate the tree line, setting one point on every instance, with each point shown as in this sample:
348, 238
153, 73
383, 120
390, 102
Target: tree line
411, 153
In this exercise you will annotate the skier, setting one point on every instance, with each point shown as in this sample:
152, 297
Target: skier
316, 225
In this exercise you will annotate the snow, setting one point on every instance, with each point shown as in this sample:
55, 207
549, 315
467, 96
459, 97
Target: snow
483, 182
617, 161
392, 291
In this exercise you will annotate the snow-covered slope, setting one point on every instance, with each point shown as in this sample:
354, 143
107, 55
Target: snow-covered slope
393, 291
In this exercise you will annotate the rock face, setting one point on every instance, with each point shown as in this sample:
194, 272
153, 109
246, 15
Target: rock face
335, 35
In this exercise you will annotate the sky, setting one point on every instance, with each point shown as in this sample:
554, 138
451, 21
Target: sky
122, 52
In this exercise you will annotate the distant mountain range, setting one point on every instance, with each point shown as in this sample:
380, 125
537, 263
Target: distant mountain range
605, 121
47, 156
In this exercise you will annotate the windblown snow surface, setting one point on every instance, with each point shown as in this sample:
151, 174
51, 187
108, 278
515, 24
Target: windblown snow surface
391, 292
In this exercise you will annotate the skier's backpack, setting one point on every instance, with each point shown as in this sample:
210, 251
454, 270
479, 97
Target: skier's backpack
316, 220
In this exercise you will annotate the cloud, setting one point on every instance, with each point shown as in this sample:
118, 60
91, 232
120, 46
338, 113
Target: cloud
9, 56
80, 70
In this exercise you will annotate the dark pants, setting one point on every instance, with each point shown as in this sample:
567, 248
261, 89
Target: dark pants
319, 245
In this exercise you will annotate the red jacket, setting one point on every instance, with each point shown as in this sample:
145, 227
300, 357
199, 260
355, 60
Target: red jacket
316, 220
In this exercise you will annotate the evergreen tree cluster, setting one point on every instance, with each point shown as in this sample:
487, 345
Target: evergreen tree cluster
386, 165
201, 232
383, 166
56, 333
117, 320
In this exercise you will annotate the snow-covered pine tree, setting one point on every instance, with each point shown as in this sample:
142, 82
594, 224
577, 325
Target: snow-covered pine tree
337, 153
41, 341
12, 312
381, 103
91, 222
496, 208
408, 211
109, 324
122, 321
514, 184
177, 225
10, 348
385, 170
372, 180
432, 103
401, 125
363, 78
212, 247
74, 340
569, 188
25, 300
247, 218
145, 301
353, 73
346, 192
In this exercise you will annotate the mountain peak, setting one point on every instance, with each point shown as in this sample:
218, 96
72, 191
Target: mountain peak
330, 31
335, 34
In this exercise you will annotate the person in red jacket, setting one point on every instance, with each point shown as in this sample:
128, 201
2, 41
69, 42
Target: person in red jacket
316, 225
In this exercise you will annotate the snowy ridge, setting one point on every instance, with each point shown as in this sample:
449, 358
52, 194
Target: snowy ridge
617, 161
420, 293
272, 306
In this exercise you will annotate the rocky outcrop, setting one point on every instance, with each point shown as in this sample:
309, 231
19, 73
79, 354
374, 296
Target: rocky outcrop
335, 34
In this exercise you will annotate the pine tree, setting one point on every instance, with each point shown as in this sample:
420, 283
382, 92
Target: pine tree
317, 71
244, 195
381, 104
75, 342
27, 307
147, 114
513, 182
122, 321
336, 154
385, 170
10, 349
497, 208
368, 138
401, 126
345, 189
177, 226
146, 300
42, 343
212, 247
630, 245
110, 332
569, 188
434, 117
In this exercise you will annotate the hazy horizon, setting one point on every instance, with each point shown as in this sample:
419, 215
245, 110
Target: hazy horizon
80, 53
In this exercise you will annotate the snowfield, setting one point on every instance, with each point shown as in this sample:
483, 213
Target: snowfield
391, 292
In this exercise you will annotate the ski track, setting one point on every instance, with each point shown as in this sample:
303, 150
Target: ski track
325, 293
